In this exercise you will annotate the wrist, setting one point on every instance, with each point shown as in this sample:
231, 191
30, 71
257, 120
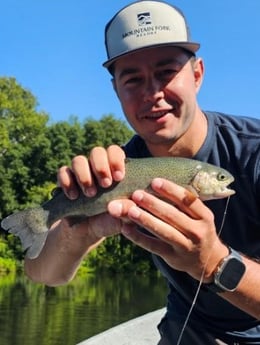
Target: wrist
228, 273
216, 258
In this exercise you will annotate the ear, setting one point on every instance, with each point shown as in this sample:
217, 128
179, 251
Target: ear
198, 68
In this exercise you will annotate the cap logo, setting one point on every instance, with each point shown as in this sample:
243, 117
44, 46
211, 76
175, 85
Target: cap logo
144, 18
145, 27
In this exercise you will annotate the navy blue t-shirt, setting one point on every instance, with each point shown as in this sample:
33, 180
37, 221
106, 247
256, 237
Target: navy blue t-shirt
233, 143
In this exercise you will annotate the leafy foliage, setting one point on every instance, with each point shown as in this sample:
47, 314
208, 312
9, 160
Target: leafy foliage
22, 142
105, 132
31, 151
126, 257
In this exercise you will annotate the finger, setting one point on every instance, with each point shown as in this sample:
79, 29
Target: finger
84, 177
162, 210
179, 196
120, 208
67, 182
100, 166
149, 243
158, 227
170, 223
116, 158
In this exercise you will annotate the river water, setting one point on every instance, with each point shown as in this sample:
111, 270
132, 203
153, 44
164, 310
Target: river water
33, 314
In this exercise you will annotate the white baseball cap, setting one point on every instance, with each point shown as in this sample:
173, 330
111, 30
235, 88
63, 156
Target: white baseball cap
145, 24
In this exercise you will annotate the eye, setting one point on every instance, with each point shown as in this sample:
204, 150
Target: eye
133, 80
221, 177
167, 73
170, 71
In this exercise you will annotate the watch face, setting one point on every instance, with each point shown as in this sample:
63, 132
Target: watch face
231, 274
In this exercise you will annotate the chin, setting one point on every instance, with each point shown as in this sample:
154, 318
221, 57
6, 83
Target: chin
160, 139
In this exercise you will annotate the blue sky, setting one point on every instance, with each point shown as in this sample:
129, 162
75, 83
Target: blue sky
55, 48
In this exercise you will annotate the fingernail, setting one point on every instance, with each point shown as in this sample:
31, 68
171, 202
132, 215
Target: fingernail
73, 194
90, 191
157, 183
138, 195
115, 208
118, 175
106, 182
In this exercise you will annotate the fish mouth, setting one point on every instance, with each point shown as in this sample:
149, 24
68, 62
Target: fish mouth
225, 192
220, 194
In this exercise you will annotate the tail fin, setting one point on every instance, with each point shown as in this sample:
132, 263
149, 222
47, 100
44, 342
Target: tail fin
31, 227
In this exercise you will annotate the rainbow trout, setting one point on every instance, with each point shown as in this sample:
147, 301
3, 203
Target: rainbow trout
204, 180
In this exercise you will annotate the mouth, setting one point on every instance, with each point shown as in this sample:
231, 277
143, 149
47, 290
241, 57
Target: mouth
156, 115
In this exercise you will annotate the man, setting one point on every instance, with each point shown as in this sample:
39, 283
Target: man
156, 77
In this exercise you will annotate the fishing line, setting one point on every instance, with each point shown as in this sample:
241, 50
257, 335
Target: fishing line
201, 278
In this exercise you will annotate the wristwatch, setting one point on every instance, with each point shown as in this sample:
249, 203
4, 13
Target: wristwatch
228, 273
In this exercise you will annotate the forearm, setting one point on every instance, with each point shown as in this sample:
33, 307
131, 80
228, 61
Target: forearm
61, 256
247, 295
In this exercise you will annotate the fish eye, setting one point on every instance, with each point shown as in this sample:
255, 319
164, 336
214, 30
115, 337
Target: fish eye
221, 177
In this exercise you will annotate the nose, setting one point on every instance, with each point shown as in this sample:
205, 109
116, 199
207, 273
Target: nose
153, 90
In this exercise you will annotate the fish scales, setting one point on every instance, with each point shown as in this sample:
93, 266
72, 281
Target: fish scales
138, 176
204, 180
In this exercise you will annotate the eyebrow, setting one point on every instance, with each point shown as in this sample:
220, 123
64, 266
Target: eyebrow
161, 63
165, 62
127, 71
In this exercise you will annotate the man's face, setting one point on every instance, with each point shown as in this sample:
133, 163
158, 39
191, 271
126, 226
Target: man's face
157, 89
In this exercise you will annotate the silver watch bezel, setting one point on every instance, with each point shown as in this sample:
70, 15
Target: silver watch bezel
234, 268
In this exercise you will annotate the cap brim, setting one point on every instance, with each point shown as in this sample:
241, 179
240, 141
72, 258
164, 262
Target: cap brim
189, 46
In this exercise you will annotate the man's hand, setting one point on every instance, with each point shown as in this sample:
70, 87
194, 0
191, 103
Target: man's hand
184, 229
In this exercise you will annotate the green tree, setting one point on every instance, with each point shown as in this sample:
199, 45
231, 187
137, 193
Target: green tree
23, 145
32, 149
118, 255
67, 140
105, 132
